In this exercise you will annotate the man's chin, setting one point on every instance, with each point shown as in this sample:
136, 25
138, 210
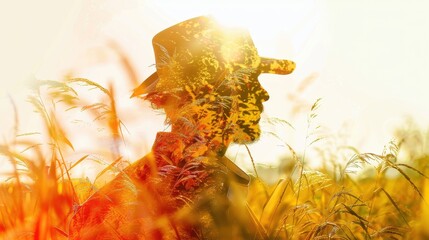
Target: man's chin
244, 138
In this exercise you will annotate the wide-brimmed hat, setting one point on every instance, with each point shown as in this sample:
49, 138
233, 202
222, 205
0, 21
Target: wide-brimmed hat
199, 51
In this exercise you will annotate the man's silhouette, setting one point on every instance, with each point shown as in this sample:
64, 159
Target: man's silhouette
207, 83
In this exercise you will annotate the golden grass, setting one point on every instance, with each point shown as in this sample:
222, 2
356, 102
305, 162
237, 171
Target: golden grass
372, 196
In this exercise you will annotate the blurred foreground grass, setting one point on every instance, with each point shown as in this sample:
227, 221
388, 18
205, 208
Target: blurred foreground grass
370, 196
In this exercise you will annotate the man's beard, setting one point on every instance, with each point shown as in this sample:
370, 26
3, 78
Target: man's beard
243, 136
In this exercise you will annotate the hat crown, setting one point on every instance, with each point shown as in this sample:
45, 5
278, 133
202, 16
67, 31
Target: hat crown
200, 51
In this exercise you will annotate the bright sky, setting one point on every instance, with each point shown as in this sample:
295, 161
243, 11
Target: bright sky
368, 59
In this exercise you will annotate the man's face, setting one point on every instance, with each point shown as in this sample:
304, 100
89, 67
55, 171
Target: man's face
248, 105
251, 95
229, 112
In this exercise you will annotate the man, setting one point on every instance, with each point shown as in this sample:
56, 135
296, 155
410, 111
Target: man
207, 83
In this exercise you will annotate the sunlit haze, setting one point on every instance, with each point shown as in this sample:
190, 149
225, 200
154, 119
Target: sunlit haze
366, 60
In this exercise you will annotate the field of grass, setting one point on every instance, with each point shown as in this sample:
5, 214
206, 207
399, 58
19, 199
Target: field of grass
370, 196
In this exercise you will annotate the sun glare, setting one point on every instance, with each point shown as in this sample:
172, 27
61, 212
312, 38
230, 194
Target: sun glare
261, 155
264, 21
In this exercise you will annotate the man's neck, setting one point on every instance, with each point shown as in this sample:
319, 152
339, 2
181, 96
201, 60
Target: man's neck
215, 142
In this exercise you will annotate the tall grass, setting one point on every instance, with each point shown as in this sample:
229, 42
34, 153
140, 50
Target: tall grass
370, 196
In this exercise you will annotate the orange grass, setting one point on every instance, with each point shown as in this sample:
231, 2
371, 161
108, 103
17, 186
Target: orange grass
370, 196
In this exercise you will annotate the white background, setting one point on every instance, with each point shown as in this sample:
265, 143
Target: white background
367, 60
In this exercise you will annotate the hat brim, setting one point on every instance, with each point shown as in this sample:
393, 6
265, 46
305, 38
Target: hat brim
276, 66
147, 85
268, 65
